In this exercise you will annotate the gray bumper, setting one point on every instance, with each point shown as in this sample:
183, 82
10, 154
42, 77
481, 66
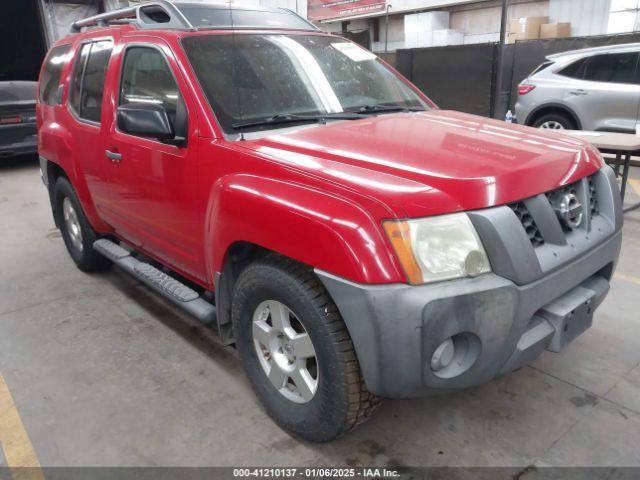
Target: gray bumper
397, 328
18, 140
541, 295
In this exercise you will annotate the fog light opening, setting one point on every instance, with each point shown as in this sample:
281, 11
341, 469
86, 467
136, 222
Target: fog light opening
455, 355
443, 356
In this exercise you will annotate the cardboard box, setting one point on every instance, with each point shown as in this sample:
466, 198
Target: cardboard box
525, 28
555, 30
442, 38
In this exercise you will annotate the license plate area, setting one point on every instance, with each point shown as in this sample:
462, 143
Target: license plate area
570, 315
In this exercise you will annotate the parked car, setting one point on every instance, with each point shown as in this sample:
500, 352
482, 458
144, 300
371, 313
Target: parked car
18, 118
293, 191
590, 89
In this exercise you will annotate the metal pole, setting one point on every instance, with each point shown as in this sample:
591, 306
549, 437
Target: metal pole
499, 100
386, 29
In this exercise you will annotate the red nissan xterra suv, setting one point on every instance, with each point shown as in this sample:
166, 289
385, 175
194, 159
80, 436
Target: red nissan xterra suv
295, 192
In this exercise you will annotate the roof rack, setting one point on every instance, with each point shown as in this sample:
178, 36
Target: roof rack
147, 15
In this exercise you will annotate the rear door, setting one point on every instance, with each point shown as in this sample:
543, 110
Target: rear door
85, 115
153, 184
605, 92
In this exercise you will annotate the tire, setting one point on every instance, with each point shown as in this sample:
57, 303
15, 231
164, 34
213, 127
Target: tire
555, 121
341, 400
77, 233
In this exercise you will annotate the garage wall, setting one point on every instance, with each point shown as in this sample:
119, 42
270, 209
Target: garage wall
60, 16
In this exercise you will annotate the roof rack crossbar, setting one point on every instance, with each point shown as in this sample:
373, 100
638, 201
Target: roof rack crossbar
139, 15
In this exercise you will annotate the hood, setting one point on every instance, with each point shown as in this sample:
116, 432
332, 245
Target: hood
434, 162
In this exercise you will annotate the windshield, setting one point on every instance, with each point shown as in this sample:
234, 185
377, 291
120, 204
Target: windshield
251, 78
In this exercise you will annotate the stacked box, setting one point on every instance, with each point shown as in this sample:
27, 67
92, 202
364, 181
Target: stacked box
525, 28
555, 30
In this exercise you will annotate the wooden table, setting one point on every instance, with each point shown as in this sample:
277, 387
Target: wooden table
622, 145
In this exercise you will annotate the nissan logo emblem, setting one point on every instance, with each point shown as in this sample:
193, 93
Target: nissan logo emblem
569, 211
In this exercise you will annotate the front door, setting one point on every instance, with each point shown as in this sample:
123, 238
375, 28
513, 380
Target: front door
153, 195
607, 94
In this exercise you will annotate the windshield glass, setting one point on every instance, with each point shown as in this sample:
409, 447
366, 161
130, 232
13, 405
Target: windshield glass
249, 78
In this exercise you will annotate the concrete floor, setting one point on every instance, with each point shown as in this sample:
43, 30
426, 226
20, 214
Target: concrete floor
105, 373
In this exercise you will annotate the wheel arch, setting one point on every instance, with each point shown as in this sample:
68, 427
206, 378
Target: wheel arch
548, 108
249, 217
51, 171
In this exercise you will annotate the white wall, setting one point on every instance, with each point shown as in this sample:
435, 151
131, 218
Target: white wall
475, 20
587, 17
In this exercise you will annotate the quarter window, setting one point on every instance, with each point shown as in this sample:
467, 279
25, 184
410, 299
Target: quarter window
147, 78
88, 79
50, 80
575, 70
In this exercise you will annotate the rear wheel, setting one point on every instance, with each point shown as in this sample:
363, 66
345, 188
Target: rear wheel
297, 352
554, 121
76, 231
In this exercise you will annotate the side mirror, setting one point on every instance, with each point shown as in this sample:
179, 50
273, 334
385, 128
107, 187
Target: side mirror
145, 120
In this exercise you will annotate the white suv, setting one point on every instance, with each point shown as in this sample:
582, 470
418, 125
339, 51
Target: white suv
591, 89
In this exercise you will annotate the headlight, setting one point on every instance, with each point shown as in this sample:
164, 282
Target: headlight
438, 248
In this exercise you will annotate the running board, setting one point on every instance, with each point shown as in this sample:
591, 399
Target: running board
170, 288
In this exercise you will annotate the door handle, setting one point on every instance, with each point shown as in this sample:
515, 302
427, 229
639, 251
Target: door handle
113, 156
579, 92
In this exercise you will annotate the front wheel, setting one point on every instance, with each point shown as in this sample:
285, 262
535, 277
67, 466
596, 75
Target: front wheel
297, 352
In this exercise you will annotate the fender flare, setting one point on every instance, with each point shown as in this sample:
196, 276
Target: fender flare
311, 226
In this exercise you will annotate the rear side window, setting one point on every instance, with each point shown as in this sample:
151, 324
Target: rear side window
76, 82
88, 79
50, 81
613, 68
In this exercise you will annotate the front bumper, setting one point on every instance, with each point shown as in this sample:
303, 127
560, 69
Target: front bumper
396, 329
537, 298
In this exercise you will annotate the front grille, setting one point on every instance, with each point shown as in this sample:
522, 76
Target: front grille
555, 197
593, 197
529, 224
584, 189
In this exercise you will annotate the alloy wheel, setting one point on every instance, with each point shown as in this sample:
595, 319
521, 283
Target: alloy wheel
72, 223
552, 125
285, 351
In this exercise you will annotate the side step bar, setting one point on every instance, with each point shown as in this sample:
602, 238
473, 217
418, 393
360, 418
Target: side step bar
170, 288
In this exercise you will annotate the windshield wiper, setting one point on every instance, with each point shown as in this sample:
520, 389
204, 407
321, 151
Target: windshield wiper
283, 118
387, 108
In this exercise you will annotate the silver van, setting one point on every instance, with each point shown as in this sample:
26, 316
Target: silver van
590, 89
